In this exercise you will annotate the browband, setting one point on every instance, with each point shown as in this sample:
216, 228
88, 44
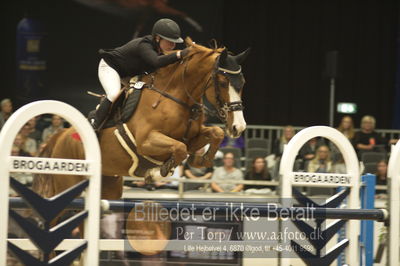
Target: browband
230, 71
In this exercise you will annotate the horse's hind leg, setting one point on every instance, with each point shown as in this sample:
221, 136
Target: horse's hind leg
208, 135
158, 144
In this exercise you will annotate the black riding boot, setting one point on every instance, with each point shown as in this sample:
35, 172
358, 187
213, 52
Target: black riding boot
101, 114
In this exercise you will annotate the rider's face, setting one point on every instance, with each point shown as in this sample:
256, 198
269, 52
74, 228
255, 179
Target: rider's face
166, 46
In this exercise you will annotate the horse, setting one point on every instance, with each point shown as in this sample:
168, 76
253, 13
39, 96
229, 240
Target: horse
167, 124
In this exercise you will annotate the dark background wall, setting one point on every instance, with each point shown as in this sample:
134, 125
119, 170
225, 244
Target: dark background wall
289, 40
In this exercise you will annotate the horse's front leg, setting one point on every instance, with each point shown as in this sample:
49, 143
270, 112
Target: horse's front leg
207, 135
158, 144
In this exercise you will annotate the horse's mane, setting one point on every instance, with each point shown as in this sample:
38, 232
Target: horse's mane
205, 56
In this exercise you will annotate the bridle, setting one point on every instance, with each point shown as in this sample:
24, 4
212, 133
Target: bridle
224, 107
198, 108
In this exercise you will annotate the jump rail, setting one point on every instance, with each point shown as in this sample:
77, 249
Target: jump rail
265, 210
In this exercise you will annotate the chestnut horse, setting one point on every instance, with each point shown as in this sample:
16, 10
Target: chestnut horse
163, 125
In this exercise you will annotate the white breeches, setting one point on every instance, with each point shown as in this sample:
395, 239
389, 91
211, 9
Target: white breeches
110, 80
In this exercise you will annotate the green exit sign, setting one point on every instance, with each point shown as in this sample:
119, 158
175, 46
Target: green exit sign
347, 108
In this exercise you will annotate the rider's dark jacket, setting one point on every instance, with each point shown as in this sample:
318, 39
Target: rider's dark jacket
136, 57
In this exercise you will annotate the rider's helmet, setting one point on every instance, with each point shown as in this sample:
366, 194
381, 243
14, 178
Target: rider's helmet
167, 29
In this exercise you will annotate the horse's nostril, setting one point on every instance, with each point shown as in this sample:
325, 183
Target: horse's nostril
234, 130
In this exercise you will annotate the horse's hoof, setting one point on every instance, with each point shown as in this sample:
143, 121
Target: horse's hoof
166, 167
164, 170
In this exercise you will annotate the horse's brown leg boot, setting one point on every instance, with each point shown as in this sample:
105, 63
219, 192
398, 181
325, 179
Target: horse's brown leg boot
167, 166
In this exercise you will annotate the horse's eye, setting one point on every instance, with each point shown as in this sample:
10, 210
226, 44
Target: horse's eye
224, 84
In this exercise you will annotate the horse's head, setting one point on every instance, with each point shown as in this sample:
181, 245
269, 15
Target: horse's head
224, 82
228, 82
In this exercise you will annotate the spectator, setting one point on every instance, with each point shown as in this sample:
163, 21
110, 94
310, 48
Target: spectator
381, 172
322, 162
35, 134
56, 125
227, 172
277, 148
196, 173
367, 139
308, 152
16, 148
6, 111
29, 145
258, 171
346, 126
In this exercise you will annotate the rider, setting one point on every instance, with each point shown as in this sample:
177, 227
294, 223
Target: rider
145, 54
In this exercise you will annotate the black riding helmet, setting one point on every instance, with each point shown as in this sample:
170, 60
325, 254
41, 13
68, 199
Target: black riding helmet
167, 29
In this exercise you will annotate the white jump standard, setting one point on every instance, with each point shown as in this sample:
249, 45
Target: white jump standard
91, 167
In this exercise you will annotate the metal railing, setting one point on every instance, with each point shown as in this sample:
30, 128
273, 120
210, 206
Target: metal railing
271, 133
182, 180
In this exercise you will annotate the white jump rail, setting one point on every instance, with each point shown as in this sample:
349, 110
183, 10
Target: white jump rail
91, 167
394, 206
351, 179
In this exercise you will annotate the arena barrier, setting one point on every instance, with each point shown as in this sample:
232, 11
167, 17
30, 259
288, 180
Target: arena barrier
48, 238
394, 206
351, 181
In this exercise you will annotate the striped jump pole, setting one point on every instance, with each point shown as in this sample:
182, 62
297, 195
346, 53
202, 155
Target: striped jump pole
238, 209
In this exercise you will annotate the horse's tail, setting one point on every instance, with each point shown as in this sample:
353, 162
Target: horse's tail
43, 184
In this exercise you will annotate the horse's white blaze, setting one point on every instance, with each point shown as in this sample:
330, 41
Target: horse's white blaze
238, 119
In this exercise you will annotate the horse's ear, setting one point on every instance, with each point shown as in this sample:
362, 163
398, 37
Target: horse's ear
242, 56
188, 41
222, 57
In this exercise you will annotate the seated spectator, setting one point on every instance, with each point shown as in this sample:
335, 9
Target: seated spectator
6, 110
308, 152
56, 125
227, 172
194, 173
259, 172
321, 162
381, 174
36, 133
367, 139
16, 150
29, 145
277, 148
346, 126
25, 146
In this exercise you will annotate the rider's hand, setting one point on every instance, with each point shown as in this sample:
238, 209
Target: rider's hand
184, 52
